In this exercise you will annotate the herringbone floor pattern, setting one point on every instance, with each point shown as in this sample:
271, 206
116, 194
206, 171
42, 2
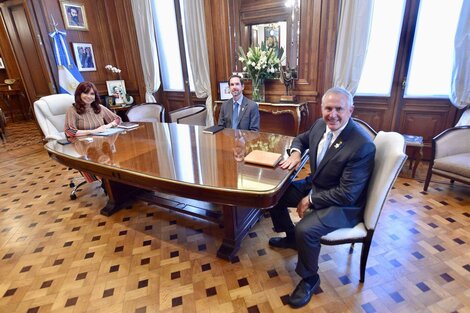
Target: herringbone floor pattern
58, 255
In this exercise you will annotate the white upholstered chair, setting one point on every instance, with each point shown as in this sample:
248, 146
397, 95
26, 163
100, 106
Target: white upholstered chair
450, 155
147, 112
389, 159
192, 115
50, 115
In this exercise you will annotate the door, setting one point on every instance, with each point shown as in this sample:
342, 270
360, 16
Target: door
416, 48
28, 48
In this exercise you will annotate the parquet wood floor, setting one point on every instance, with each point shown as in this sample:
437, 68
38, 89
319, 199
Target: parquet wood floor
58, 255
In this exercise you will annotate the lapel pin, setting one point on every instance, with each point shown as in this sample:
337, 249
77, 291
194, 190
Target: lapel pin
338, 144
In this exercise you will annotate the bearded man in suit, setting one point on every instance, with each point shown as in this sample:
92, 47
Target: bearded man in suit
239, 112
333, 196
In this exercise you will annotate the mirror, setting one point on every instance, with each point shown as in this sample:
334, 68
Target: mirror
276, 23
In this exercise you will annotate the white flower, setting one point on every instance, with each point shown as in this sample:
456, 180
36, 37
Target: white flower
112, 69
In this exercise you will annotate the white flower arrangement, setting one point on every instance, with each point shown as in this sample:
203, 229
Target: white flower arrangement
112, 69
260, 63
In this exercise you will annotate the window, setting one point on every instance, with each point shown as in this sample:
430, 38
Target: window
170, 52
379, 66
432, 48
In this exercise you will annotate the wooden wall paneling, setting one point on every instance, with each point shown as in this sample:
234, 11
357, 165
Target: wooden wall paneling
42, 12
219, 44
375, 111
426, 118
126, 47
26, 44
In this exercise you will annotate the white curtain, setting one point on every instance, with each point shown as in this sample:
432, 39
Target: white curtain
197, 50
460, 85
353, 40
143, 19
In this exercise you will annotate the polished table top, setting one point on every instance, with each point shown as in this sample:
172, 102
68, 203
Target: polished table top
182, 159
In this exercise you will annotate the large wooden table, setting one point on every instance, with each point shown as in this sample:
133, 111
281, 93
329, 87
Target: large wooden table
181, 168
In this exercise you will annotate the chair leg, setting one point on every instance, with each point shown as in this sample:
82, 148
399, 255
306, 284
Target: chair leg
73, 195
428, 177
365, 253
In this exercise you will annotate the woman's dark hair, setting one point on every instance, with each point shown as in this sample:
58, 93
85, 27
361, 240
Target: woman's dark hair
85, 87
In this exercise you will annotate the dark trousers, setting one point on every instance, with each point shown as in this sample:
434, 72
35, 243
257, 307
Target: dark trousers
307, 232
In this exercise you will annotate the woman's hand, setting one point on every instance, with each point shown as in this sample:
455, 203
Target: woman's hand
101, 129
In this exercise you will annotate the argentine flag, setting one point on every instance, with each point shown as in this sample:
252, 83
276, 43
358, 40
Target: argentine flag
69, 76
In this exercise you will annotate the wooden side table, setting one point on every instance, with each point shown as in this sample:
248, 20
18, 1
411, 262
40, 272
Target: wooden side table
121, 111
280, 118
416, 143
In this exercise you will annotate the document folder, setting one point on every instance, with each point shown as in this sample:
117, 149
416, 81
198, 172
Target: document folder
263, 158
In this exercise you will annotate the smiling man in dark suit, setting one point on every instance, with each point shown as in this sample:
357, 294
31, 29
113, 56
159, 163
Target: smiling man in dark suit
332, 196
239, 112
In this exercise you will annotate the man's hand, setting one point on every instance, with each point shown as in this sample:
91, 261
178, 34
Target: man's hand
292, 161
303, 206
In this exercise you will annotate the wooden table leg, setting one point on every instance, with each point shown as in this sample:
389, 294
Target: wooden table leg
119, 195
237, 223
418, 157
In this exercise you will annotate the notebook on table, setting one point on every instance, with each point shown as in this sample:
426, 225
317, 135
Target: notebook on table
128, 125
213, 129
264, 158
109, 132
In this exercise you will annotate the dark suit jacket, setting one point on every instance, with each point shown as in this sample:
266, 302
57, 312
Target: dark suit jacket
339, 184
248, 117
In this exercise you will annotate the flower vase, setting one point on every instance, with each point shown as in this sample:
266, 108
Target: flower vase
258, 90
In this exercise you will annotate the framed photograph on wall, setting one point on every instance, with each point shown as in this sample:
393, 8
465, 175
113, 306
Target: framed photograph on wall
84, 57
116, 89
272, 36
74, 15
2, 65
224, 91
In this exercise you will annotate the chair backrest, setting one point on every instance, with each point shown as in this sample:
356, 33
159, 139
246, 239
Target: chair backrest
147, 112
452, 141
389, 159
50, 114
192, 115
372, 133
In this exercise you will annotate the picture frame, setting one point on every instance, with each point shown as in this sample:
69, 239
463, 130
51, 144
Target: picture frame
224, 91
109, 101
2, 65
116, 89
272, 36
74, 15
84, 56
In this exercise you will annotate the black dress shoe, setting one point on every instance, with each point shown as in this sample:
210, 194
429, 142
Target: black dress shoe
303, 293
282, 242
